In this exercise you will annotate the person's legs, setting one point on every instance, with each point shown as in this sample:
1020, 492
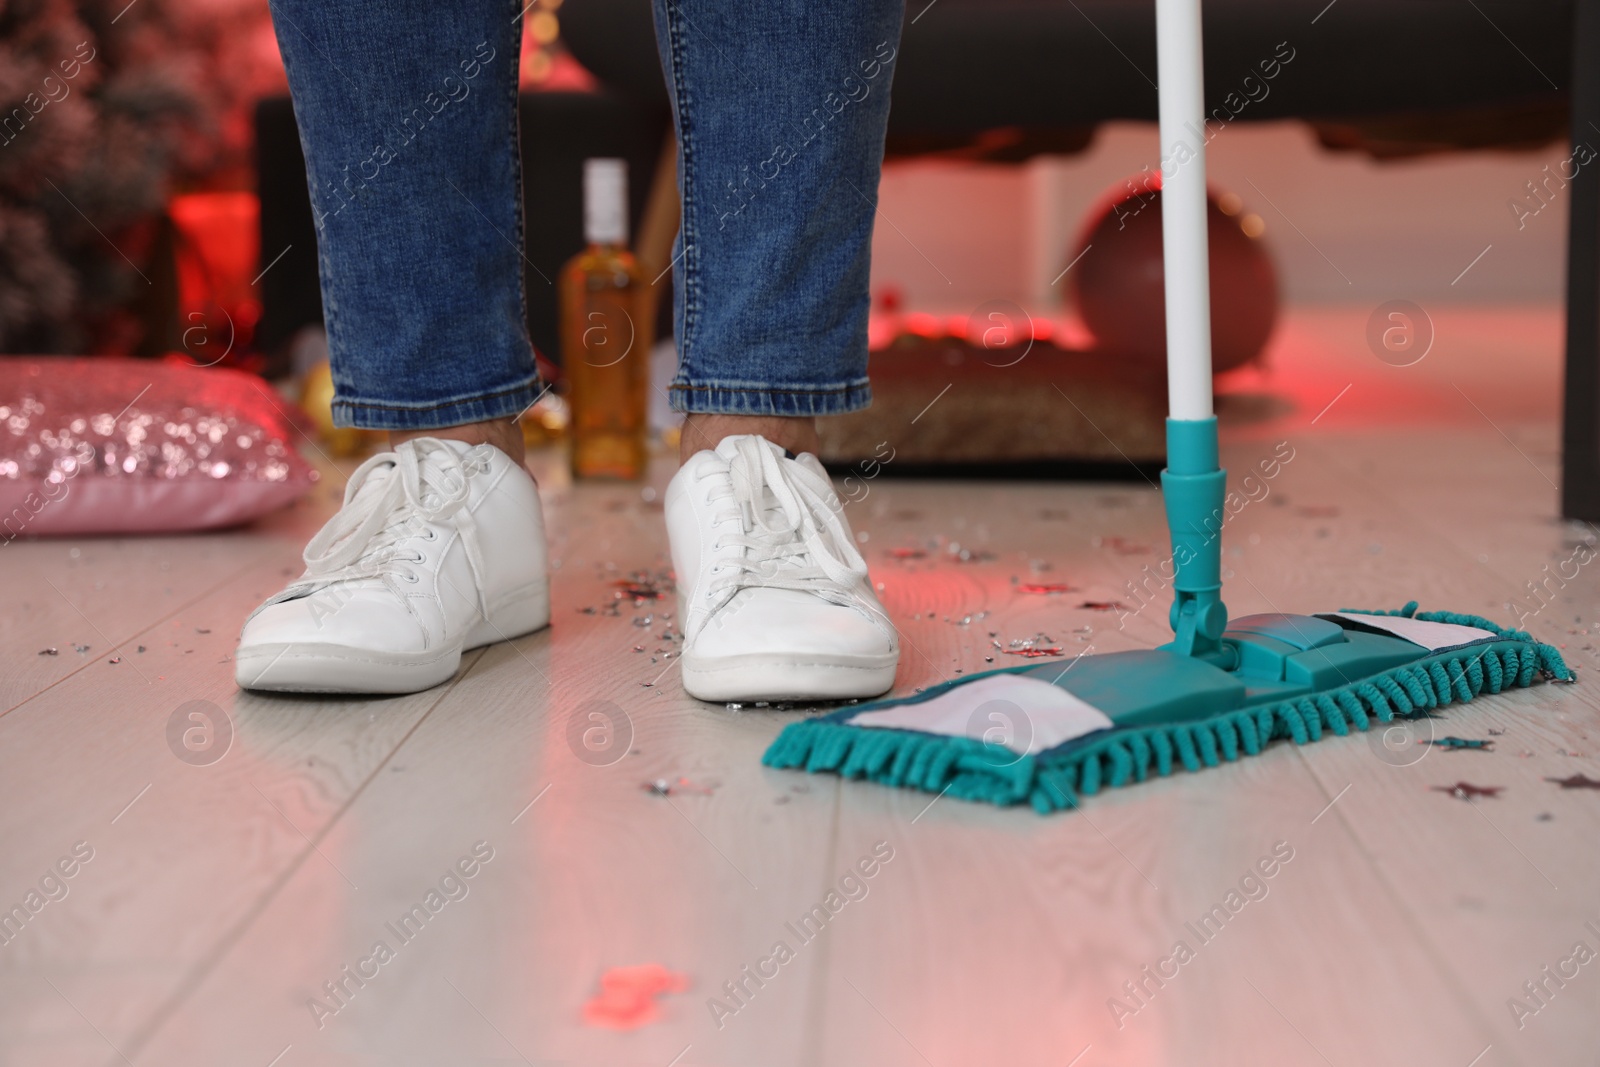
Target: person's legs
781, 110
407, 115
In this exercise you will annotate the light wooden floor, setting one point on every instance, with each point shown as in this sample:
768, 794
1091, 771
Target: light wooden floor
220, 898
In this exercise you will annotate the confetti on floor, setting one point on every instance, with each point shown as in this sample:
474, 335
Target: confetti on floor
1576, 781
1124, 547
1462, 743
666, 787
1466, 790
627, 997
643, 586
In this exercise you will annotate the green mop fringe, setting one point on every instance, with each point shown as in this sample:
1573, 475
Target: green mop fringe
1056, 779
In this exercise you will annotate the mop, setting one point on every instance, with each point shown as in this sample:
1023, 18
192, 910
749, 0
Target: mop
1050, 734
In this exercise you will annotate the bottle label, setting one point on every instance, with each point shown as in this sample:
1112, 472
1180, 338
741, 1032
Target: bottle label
605, 201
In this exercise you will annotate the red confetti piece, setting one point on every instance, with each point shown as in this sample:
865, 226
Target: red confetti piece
642, 586
627, 997
666, 787
1103, 605
1123, 547
1030, 653
1045, 588
1466, 790
1577, 781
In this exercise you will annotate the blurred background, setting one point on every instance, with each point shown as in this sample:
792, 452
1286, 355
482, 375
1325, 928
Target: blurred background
130, 188
152, 202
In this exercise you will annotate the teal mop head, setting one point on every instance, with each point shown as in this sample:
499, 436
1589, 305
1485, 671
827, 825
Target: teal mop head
1050, 733
1005, 737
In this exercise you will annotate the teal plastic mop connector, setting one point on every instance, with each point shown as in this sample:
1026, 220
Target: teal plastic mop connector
1194, 487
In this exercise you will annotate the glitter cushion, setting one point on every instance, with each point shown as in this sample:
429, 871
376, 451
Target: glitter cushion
108, 445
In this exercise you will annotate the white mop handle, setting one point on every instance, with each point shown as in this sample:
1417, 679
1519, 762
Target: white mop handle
1180, 70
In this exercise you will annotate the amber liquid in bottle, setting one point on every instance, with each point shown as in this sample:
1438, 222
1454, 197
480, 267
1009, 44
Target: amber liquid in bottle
605, 342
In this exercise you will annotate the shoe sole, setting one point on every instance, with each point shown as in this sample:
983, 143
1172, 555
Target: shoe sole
315, 667
764, 677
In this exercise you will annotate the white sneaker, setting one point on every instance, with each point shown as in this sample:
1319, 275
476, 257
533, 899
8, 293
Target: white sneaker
439, 548
774, 600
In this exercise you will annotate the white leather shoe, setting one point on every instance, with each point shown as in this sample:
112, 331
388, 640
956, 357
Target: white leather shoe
774, 599
439, 548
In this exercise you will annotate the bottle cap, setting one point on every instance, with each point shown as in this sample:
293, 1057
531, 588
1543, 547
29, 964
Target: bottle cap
605, 201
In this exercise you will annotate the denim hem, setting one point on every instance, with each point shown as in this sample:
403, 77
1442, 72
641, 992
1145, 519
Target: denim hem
744, 398
505, 403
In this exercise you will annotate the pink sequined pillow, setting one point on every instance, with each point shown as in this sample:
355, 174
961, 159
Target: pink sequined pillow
108, 445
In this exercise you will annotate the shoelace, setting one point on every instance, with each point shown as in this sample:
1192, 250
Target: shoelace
425, 483
797, 541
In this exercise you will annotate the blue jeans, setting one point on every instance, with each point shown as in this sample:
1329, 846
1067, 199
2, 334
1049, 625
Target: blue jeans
407, 115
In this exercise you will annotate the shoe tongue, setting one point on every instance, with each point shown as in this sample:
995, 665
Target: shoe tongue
437, 472
382, 473
729, 447
811, 463
765, 504
460, 448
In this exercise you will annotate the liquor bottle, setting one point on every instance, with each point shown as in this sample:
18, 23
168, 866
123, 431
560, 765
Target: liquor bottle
605, 340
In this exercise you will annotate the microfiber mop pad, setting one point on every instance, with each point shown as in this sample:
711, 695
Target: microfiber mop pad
1050, 734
